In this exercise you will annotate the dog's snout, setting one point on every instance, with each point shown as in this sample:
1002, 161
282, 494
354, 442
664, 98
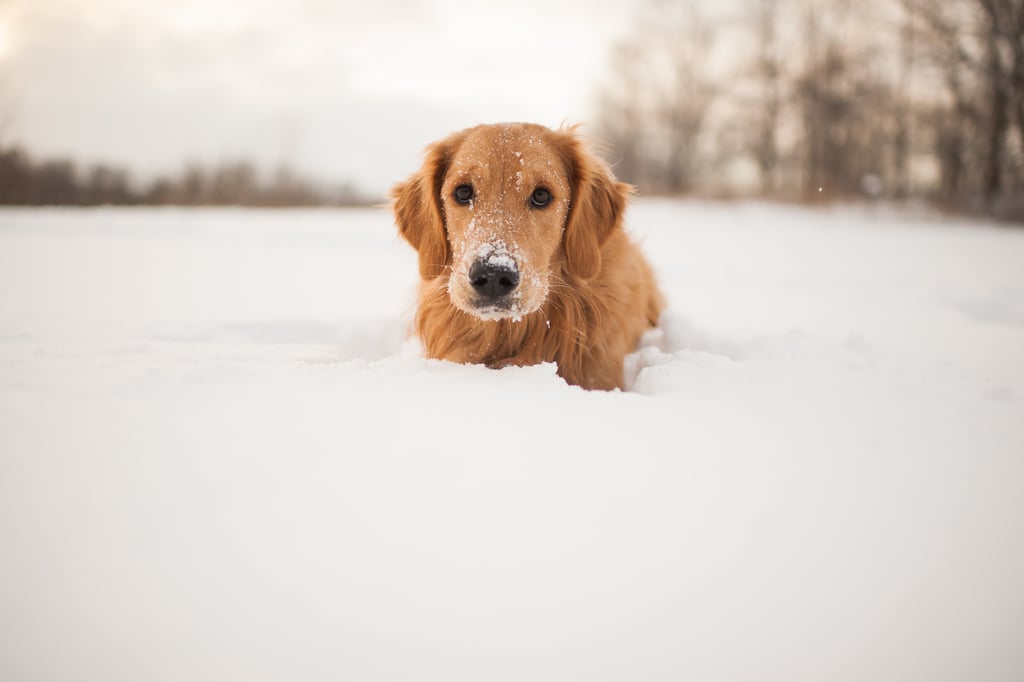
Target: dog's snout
493, 279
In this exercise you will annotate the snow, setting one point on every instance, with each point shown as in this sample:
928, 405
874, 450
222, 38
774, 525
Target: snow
221, 458
496, 254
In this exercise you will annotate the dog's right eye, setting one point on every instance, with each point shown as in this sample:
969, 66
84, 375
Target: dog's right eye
464, 194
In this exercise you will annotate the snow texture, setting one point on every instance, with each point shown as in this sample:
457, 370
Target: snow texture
496, 254
221, 458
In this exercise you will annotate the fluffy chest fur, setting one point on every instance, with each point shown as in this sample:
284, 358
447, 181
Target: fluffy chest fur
585, 327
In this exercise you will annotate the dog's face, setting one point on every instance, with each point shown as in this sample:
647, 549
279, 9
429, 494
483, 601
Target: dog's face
505, 198
500, 209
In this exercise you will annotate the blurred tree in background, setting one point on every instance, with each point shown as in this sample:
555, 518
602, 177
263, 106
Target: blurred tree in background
662, 81
823, 99
24, 181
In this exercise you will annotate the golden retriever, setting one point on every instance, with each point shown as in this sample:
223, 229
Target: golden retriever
522, 254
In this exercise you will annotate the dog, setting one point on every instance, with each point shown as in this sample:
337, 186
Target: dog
522, 255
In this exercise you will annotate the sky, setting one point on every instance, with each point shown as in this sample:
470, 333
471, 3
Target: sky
341, 90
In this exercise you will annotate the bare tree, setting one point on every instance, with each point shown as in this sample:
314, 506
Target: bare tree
997, 86
978, 46
621, 113
1003, 66
903, 105
653, 111
768, 72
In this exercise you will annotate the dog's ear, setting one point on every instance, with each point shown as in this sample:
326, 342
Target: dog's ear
598, 202
418, 211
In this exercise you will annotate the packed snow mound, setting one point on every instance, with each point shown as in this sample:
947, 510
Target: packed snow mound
222, 456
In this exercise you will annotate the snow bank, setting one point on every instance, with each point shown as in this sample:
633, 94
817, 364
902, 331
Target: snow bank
221, 458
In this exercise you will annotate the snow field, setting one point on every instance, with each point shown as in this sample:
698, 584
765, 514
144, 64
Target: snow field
221, 458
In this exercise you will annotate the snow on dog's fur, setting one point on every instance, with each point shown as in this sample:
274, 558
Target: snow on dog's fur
522, 254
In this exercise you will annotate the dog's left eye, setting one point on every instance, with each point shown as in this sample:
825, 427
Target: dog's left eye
540, 197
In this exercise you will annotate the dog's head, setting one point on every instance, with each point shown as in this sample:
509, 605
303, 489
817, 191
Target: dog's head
502, 209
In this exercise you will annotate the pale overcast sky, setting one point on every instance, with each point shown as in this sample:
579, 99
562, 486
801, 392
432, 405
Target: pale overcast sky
337, 88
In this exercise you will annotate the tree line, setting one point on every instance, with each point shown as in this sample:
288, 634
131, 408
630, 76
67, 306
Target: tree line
823, 99
29, 182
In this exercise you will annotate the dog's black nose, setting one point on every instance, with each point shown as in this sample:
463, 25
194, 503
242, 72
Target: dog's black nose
493, 279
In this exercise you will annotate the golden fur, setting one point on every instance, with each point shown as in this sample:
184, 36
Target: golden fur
585, 292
